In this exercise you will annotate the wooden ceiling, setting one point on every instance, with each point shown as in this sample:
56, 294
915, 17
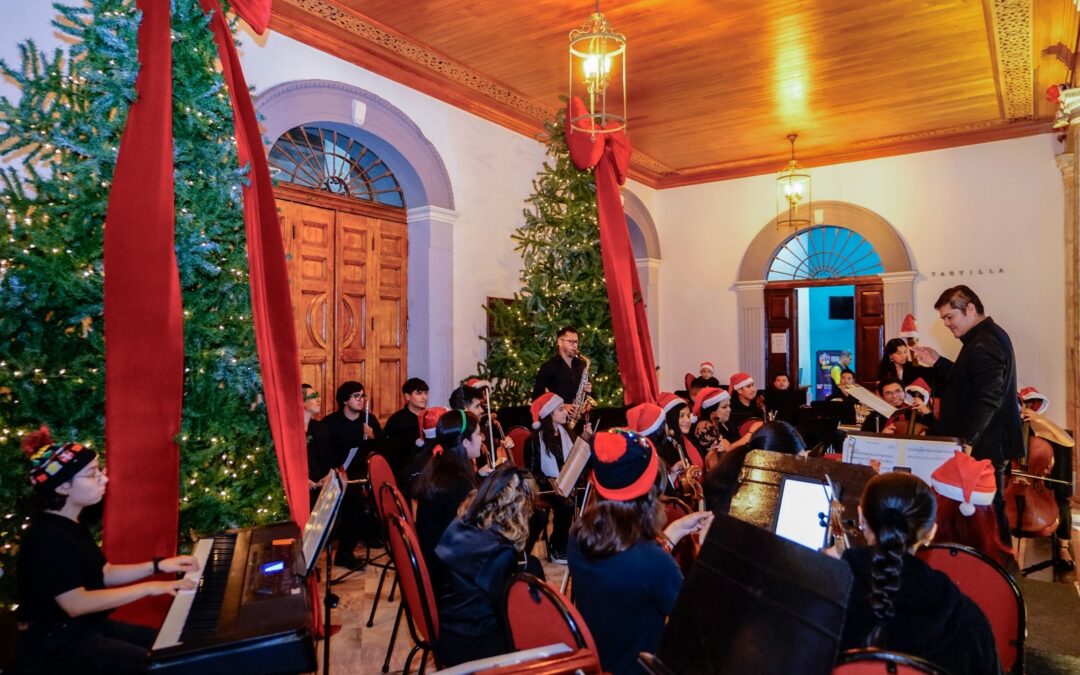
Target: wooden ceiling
714, 87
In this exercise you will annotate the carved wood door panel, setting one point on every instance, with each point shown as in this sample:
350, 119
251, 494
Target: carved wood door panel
869, 330
781, 311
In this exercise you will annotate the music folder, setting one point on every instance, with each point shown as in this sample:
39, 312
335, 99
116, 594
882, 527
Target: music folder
871, 400
580, 453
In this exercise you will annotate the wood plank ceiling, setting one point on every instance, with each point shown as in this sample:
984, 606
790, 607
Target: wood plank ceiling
714, 87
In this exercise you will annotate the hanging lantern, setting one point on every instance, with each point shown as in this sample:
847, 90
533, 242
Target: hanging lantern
793, 204
598, 76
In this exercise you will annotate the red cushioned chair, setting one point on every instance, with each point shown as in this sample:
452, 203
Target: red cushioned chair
879, 662
537, 615
393, 504
582, 661
520, 436
416, 592
992, 589
379, 474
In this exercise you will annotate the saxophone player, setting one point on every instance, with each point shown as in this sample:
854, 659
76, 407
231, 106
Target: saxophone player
561, 374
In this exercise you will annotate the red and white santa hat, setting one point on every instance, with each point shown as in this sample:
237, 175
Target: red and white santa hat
739, 380
706, 364
669, 401
920, 387
477, 383
1033, 394
966, 480
544, 405
645, 418
907, 328
707, 398
429, 418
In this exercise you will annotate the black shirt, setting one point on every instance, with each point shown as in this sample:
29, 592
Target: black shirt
57, 555
402, 430
557, 377
338, 434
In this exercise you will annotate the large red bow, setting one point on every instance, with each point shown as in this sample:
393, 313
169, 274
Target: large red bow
608, 154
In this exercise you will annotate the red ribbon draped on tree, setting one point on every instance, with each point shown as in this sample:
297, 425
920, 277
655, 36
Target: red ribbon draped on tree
608, 154
143, 317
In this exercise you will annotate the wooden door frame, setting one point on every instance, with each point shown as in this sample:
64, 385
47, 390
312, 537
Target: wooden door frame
327, 200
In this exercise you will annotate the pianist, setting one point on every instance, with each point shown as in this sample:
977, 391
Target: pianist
66, 587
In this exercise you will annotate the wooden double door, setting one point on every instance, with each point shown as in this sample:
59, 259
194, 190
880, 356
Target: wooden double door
347, 262
781, 318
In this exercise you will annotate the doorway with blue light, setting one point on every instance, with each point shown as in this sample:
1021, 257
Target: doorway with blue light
824, 309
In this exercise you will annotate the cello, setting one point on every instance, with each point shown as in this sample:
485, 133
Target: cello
1030, 505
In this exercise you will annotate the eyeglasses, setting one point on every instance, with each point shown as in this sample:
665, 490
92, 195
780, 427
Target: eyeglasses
572, 343
96, 474
359, 395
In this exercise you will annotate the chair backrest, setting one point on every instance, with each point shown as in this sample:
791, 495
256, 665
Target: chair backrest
992, 589
879, 662
582, 661
393, 503
412, 574
537, 614
520, 436
379, 472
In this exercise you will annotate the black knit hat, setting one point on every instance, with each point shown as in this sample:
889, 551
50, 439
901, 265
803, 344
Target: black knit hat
53, 464
626, 465
347, 389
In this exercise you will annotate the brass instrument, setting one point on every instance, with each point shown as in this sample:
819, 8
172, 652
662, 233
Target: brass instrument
582, 401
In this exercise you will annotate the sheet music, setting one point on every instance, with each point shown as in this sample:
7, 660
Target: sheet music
169, 635
350, 457
864, 450
924, 456
871, 400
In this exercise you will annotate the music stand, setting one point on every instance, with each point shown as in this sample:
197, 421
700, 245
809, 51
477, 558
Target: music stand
774, 593
316, 539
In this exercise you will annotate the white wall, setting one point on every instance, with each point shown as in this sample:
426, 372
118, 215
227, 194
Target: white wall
996, 205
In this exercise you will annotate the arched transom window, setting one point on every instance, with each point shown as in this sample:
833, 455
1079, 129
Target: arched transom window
824, 252
326, 159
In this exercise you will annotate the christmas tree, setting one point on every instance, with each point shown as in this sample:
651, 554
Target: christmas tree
64, 132
563, 283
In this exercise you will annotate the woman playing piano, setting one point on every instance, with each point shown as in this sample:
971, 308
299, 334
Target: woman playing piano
66, 586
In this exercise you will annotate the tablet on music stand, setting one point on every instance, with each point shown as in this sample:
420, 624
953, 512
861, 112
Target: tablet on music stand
798, 510
321, 521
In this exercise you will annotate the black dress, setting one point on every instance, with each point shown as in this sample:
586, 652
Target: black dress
933, 621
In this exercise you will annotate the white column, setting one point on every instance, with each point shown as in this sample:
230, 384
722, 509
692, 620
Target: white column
899, 296
750, 299
648, 270
431, 296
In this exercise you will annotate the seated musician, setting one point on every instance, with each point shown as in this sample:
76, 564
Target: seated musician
705, 372
1034, 405
425, 444
625, 584
965, 489
446, 480
722, 478
898, 602
744, 396
470, 397
715, 405
66, 587
647, 419
892, 391
480, 550
679, 425
847, 378
916, 417
545, 453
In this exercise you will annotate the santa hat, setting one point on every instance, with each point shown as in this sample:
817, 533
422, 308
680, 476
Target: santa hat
1033, 394
544, 405
669, 401
907, 328
966, 480
706, 364
625, 465
645, 418
739, 380
709, 397
477, 383
919, 386
428, 419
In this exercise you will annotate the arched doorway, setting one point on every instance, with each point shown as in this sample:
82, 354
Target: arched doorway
853, 247
645, 242
427, 193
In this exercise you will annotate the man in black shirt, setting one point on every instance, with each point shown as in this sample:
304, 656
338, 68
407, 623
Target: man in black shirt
403, 427
978, 391
891, 390
561, 374
351, 426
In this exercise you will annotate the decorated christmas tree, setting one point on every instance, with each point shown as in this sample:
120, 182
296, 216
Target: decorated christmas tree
563, 283
61, 138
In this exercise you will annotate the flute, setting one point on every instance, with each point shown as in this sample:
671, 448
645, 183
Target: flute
491, 432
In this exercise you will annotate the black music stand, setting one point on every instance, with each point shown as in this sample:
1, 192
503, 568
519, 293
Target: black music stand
317, 538
772, 594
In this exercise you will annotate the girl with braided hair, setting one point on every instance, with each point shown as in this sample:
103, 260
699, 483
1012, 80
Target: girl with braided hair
897, 601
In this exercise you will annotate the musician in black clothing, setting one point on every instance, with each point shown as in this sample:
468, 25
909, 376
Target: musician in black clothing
317, 470
351, 426
403, 427
66, 587
892, 391
561, 374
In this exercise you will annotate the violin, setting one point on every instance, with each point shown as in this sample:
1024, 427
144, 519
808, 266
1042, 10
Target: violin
839, 539
1030, 505
905, 422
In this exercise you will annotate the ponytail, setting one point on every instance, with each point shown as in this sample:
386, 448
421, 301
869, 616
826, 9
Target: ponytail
900, 509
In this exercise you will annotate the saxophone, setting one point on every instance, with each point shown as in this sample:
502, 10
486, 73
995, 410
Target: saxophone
582, 401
